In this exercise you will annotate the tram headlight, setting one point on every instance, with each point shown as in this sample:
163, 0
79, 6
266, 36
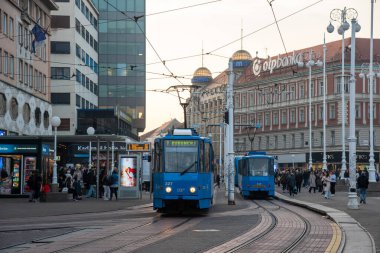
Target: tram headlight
168, 189
192, 189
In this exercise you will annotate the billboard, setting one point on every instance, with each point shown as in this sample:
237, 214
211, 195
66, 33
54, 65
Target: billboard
128, 171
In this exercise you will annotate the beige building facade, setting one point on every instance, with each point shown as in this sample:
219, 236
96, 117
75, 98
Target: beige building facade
25, 107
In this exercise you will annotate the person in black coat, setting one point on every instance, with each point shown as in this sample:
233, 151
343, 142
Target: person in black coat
291, 180
34, 183
363, 186
299, 178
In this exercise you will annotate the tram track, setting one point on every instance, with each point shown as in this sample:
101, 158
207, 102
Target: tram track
274, 227
119, 238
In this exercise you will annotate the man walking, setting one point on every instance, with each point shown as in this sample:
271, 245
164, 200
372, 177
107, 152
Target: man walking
363, 186
332, 182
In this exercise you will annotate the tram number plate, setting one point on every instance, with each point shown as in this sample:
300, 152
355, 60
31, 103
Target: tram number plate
180, 189
259, 186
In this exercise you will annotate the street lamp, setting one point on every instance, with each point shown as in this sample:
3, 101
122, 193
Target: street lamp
310, 64
341, 17
324, 167
370, 69
293, 160
90, 131
55, 122
372, 176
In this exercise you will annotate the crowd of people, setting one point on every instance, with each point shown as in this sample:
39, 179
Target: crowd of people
81, 182
321, 181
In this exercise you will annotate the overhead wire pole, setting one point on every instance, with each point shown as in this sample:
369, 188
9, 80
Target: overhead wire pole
230, 133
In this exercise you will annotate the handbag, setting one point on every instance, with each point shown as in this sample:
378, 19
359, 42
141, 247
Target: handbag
65, 190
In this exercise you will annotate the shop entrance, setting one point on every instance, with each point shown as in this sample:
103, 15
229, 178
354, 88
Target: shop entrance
15, 171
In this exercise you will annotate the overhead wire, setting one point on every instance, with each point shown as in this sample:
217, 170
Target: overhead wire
196, 55
136, 18
242, 37
185, 7
266, 26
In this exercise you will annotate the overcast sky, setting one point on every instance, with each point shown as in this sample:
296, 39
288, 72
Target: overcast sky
215, 24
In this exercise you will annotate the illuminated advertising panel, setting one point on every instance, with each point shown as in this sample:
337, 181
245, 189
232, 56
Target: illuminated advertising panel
128, 171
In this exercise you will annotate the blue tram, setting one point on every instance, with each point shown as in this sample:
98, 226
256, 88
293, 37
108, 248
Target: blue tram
183, 169
256, 175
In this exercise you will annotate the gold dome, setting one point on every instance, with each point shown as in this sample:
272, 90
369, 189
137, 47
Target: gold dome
241, 55
202, 71
202, 76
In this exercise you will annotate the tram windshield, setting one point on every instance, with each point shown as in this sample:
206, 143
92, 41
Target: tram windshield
181, 156
260, 167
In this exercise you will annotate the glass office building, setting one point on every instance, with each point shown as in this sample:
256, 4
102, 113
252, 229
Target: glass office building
122, 58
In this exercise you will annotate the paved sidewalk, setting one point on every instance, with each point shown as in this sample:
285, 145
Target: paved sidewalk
361, 227
21, 208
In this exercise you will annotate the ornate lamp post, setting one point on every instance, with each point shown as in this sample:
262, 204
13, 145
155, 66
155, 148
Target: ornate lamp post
90, 131
372, 176
310, 63
342, 16
55, 122
324, 105
371, 69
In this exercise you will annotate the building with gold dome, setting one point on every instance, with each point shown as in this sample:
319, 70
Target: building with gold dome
274, 94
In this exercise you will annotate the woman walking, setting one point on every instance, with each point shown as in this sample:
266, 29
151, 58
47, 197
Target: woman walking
326, 184
115, 183
312, 181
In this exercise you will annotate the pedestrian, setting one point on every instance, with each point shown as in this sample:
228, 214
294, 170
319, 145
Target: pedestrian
346, 176
332, 182
312, 181
363, 186
91, 183
107, 182
77, 191
78, 179
115, 183
283, 179
327, 185
306, 175
299, 178
318, 181
218, 180
292, 184
34, 183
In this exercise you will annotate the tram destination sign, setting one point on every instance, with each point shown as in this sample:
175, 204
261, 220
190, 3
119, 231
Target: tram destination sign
181, 143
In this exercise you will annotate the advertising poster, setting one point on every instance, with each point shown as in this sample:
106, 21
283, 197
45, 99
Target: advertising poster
128, 171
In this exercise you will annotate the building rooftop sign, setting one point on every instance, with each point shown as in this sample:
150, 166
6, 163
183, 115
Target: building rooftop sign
271, 64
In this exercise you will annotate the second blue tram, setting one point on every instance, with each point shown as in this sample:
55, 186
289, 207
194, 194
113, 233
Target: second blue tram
183, 172
256, 175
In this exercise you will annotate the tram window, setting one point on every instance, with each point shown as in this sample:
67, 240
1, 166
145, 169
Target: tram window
157, 157
202, 157
260, 167
179, 157
207, 157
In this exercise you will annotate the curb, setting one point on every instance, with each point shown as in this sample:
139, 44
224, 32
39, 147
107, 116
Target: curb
344, 221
